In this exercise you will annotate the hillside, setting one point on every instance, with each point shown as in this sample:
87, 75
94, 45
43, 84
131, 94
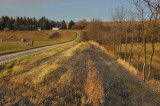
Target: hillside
75, 74
33, 35
12, 39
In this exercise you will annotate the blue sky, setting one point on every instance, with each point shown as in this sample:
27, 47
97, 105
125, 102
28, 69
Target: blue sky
62, 9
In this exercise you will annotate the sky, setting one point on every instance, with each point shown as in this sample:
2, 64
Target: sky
62, 9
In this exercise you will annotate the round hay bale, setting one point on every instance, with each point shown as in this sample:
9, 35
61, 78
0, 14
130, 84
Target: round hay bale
30, 43
23, 40
2, 40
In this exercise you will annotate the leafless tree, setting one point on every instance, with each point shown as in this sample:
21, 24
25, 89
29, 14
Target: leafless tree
113, 31
130, 32
94, 30
119, 16
147, 28
140, 6
154, 5
152, 28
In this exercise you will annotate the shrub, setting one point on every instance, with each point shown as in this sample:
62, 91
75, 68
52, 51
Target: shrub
55, 35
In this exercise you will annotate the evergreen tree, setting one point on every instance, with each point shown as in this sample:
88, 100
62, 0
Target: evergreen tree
17, 24
53, 24
44, 23
1, 26
8, 25
58, 24
71, 23
47, 23
28, 23
23, 23
6, 22
63, 25
40, 23
31, 24
12, 23
35, 23
3, 22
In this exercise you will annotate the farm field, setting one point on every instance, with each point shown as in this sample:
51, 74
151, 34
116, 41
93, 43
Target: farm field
74, 74
41, 38
156, 58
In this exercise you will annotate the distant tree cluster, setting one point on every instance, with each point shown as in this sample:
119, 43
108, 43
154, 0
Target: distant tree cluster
95, 30
63, 25
26, 23
80, 25
71, 23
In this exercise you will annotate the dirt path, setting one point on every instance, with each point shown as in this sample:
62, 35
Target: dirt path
13, 56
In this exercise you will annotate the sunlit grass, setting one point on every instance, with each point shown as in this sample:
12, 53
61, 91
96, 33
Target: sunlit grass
74, 74
14, 46
156, 60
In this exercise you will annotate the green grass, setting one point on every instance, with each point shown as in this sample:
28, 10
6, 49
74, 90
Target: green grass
15, 46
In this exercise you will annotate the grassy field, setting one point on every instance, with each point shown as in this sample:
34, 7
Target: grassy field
41, 38
74, 74
156, 58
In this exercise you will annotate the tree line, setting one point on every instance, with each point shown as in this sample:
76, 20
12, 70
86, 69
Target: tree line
29, 24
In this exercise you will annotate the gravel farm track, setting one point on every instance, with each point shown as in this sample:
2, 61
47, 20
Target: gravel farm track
12, 56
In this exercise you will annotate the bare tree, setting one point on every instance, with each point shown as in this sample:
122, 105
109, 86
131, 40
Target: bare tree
153, 4
94, 30
152, 28
119, 16
114, 30
147, 29
130, 32
140, 6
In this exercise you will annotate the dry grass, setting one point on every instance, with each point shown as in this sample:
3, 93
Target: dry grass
41, 38
33, 35
113, 23
121, 86
155, 74
94, 86
128, 66
154, 84
75, 74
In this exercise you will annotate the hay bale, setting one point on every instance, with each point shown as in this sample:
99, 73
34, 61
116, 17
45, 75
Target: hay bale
30, 43
2, 40
23, 40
